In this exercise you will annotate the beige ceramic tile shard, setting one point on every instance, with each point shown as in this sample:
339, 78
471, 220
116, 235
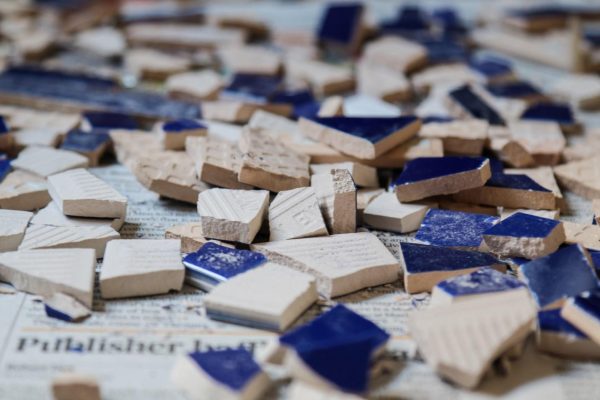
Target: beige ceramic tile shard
342, 264
49, 237
396, 53
582, 90
543, 140
44, 161
182, 36
79, 193
324, 78
248, 297
12, 228
191, 237
337, 199
252, 59
134, 144
194, 86
446, 335
363, 198
550, 214
217, 161
444, 75
239, 112
459, 137
104, 41
596, 210
387, 213
332, 107
26, 118
295, 214
48, 137
586, 235
270, 165
176, 140
74, 386
48, 271
153, 64
582, 177
141, 267
232, 215
382, 82
363, 175
22, 190
278, 127
53, 216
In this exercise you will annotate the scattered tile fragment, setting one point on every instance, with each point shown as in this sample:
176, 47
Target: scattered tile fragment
194, 86
108, 120
190, 235
332, 107
89, 144
582, 177
247, 298
141, 267
382, 82
465, 137
75, 386
44, 161
558, 336
295, 214
12, 228
88, 237
47, 137
341, 26
362, 175
465, 102
66, 308
543, 140
174, 133
53, 216
395, 52
544, 176
582, 90
22, 190
549, 214
364, 196
324, 78
336, 194
552, 112
586, 235
251, 59
153, 64
386, 212
182, 35
583, 311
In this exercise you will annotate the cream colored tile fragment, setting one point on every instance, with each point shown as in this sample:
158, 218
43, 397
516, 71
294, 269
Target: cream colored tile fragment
444, 75
582, 177
22, 190
233, 215
46, 136
53, 216
459, 137
176, 140
278, 127
382, 82
324, 78
341, 263
586, 235
250, 60
332, 107
248, 297
387, 213
445, 335
395, 52
27, 118
239, 112
202, 85
12, 228
48, 237
134, 144
79, 193
141, 267
543, 140
363, 175
337, 199
191, 237
295, 214
74, 386
183, 36
48, 271
582, 90
154, 64
104, 41
44, 161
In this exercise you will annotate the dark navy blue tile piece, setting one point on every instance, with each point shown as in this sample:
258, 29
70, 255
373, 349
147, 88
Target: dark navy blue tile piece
424, 168
484, 280
3, 126
188, 13
110, 120
410, 20
515, 181
589, 303
436, 118
454, 228
77, 140
565, 273
4, 168
595, 254
251, 87
233, 368
420, 258
491, 67
475, 105
182, 125
339, 346
444, 50
308, 110
551, 321
449, 20
293, 96
557, 112
340, 23
373, 129
43, 76
57, 314
523, 225
514, 89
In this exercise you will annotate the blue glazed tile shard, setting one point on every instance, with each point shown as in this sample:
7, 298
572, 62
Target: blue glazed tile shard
551, 321
589, 303
484, 280
419, 258
110, 120
449, 228
252, 87
57, 314
595, 254
444, 50
424, 168
513, 89
523, 225
340, 23
373, 129
295, 97
449, 20
475, 105
182, 125
233, 368
511, 181
491, 67
3, 126
77, 140
557, 112
4, 168
566, 272
410, 21
338, 346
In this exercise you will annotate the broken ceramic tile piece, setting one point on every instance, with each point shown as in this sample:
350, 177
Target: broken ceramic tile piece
524, 235
220, 374
549, 214
457, 229
465, 137
323, 78
341, 26
543, 140
336, 194
174, 133
141, 267
88, 237
66, 308
12, 228
109, 120
90, 144
53, 216
583, 311
22, 190
466, 102
566, 272
544, 176
331, 107
582, 177
233, 215
213, 264
386, 212
596, 210
584, 234
382, 82
425, 266
247, 298
553, 112
44, 161
295, 214
431, 176
79, 193
395, 52
362, 175
250, 59
153, 64
581, 90
194, 86
73, 386
315, 351
558, 336
47, 137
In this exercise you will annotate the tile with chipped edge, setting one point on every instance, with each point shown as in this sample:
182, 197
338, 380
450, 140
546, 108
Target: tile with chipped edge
295, 214
13, 224
386, 212
336, 194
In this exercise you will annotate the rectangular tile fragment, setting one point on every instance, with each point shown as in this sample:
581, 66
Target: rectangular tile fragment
336, 194
295, 214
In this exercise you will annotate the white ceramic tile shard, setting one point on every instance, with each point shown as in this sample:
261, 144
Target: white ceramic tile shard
269, 297
48, 271
446, 335
459, 137
396, 53
49, 237
24, 191
382, 82
543, 140
324, 78
341, 263
193, 86
45, 161
79, 193
153, 64
65, 307
74, 386
584, 234
386, 212
53, 216
337, 199
233, 215
582, 90
12, 228
582, 177
37, 137
250, 60
332, 107
141, 267
363, 175
295, 214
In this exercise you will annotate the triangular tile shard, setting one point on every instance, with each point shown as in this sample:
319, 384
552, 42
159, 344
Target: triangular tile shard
361, 137
45, 161
213, 264
78, 193
445, 335
583, 311
22, 190
48, 237
432, 176
48, 271
220, 374
233, 215
556, 335
53, 216
268, 297
12, 228
335, 350
342, 264
336, 193
387, 213
66, 308
426, 266
141, 267
70, 386
564, 273
582, 177
295, 214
